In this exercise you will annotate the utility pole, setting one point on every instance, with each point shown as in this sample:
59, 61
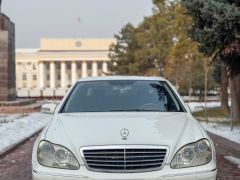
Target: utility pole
206, 88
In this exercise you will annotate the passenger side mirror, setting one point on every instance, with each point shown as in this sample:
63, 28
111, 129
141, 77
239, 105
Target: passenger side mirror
48, 108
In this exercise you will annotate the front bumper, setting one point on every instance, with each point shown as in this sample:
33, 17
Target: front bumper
85, 174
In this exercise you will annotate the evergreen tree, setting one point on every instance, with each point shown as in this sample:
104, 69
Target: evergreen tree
216, 28
122, 54
143, 50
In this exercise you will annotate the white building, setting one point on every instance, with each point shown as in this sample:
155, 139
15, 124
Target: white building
52, 69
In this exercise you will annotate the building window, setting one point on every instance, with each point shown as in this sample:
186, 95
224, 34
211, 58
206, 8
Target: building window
34, 77
100, 65
89, 65
79, 65
24, 77
59, 77
58, 65
48, 77
69, 66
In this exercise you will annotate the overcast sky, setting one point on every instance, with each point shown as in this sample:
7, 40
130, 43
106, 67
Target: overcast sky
37, 19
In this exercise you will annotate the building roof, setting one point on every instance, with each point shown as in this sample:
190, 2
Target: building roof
27, 50
71, 45
76, 44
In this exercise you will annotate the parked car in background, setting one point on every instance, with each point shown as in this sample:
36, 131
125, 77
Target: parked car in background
123, 127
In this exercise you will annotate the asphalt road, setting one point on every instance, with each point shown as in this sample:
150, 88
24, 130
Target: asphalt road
17, 164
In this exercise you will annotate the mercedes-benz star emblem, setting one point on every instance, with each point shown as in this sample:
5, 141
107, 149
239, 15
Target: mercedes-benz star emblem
124, 133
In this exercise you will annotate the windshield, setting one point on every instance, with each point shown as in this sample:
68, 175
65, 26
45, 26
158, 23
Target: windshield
122, 95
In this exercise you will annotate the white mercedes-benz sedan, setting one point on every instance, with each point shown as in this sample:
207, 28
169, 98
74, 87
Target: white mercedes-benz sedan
120, 128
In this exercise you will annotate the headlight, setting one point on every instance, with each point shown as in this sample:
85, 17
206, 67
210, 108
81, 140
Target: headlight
191, 155
56, 156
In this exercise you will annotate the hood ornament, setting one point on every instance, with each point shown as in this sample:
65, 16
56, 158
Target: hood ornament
124, 133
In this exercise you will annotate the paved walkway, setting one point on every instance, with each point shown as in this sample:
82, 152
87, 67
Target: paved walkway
17, 164
224, 147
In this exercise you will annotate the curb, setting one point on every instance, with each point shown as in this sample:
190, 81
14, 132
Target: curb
12, 147
232, 146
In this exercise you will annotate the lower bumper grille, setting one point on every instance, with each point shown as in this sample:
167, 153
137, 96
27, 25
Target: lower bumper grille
124, 159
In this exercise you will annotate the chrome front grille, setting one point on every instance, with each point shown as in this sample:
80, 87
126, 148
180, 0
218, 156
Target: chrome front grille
124, 158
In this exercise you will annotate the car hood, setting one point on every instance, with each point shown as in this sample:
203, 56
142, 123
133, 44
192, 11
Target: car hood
149, 128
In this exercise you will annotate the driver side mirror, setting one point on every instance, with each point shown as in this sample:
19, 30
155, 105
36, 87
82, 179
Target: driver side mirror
48, 108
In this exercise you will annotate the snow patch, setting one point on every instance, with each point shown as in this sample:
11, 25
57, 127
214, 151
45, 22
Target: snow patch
8, 118
19, 129
199, 106
233, 160
224, 130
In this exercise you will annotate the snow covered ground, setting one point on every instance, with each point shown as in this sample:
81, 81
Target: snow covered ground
7, 118
224, 130
14, 129
233, 160
221, 129
199, 106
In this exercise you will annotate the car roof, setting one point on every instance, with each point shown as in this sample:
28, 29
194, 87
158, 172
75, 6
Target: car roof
104, 78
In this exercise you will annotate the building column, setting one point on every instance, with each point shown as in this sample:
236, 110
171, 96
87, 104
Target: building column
52, 75
105, 68
84, 69
29, 76
42, 75
94, 69
74, 72
63, 75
